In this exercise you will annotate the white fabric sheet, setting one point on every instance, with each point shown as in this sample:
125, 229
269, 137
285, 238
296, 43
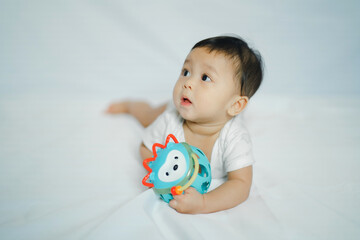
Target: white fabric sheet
68, 171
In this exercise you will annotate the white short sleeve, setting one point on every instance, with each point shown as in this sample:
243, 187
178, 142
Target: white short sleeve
232, 150
167, 123
155, 132
238, 151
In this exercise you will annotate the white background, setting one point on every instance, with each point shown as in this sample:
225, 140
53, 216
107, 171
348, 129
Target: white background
121, 48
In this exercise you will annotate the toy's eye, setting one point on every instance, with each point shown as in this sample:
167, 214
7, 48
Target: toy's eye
174, 167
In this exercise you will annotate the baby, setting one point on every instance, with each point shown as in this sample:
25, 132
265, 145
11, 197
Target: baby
218, 78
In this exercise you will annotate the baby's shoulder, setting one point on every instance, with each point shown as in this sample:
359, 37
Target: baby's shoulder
234, 132
235, 126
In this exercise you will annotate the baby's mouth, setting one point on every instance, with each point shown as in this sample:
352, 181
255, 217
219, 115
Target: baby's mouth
185, 101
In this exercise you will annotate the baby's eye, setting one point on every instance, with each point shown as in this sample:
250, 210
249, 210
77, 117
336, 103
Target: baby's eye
205, 78
186, 73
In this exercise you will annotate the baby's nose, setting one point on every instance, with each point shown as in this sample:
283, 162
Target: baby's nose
188, 85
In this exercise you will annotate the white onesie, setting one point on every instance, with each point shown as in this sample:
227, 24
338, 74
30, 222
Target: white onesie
232, 149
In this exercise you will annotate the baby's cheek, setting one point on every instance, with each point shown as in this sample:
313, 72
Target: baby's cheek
208, 102
175, 95
176, 90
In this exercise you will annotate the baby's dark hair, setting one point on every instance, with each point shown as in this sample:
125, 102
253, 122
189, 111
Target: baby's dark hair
248, 62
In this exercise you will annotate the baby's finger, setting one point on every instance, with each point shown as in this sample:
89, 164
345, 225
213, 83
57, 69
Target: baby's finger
178, 197
190, 190
173, 203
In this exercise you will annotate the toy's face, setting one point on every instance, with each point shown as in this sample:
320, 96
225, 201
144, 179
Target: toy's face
173, 168
170, 167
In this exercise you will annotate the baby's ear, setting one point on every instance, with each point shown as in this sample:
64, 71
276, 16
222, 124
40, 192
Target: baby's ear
239, 104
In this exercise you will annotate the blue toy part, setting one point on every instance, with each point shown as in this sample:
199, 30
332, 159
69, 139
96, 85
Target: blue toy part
175, 167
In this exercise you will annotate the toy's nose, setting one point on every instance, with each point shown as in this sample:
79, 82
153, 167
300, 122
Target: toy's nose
167, 173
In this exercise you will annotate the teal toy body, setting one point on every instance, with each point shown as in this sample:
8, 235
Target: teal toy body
176, 166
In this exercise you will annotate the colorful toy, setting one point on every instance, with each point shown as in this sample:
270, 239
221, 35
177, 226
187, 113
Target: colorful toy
175, 167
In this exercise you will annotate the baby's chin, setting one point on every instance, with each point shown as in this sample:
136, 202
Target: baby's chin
184, 114
187, 113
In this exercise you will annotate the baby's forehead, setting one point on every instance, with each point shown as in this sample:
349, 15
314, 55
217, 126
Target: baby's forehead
213, 52
218, 53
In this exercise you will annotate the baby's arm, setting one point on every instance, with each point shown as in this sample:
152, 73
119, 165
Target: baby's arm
145, 152
142, 111
230, 194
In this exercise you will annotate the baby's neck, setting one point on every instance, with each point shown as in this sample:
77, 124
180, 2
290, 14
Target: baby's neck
202, 136
204, 130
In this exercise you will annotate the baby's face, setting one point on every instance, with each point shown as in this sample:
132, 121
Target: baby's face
206, 88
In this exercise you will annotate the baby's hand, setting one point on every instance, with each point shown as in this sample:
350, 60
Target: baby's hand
118, 107
191, 202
